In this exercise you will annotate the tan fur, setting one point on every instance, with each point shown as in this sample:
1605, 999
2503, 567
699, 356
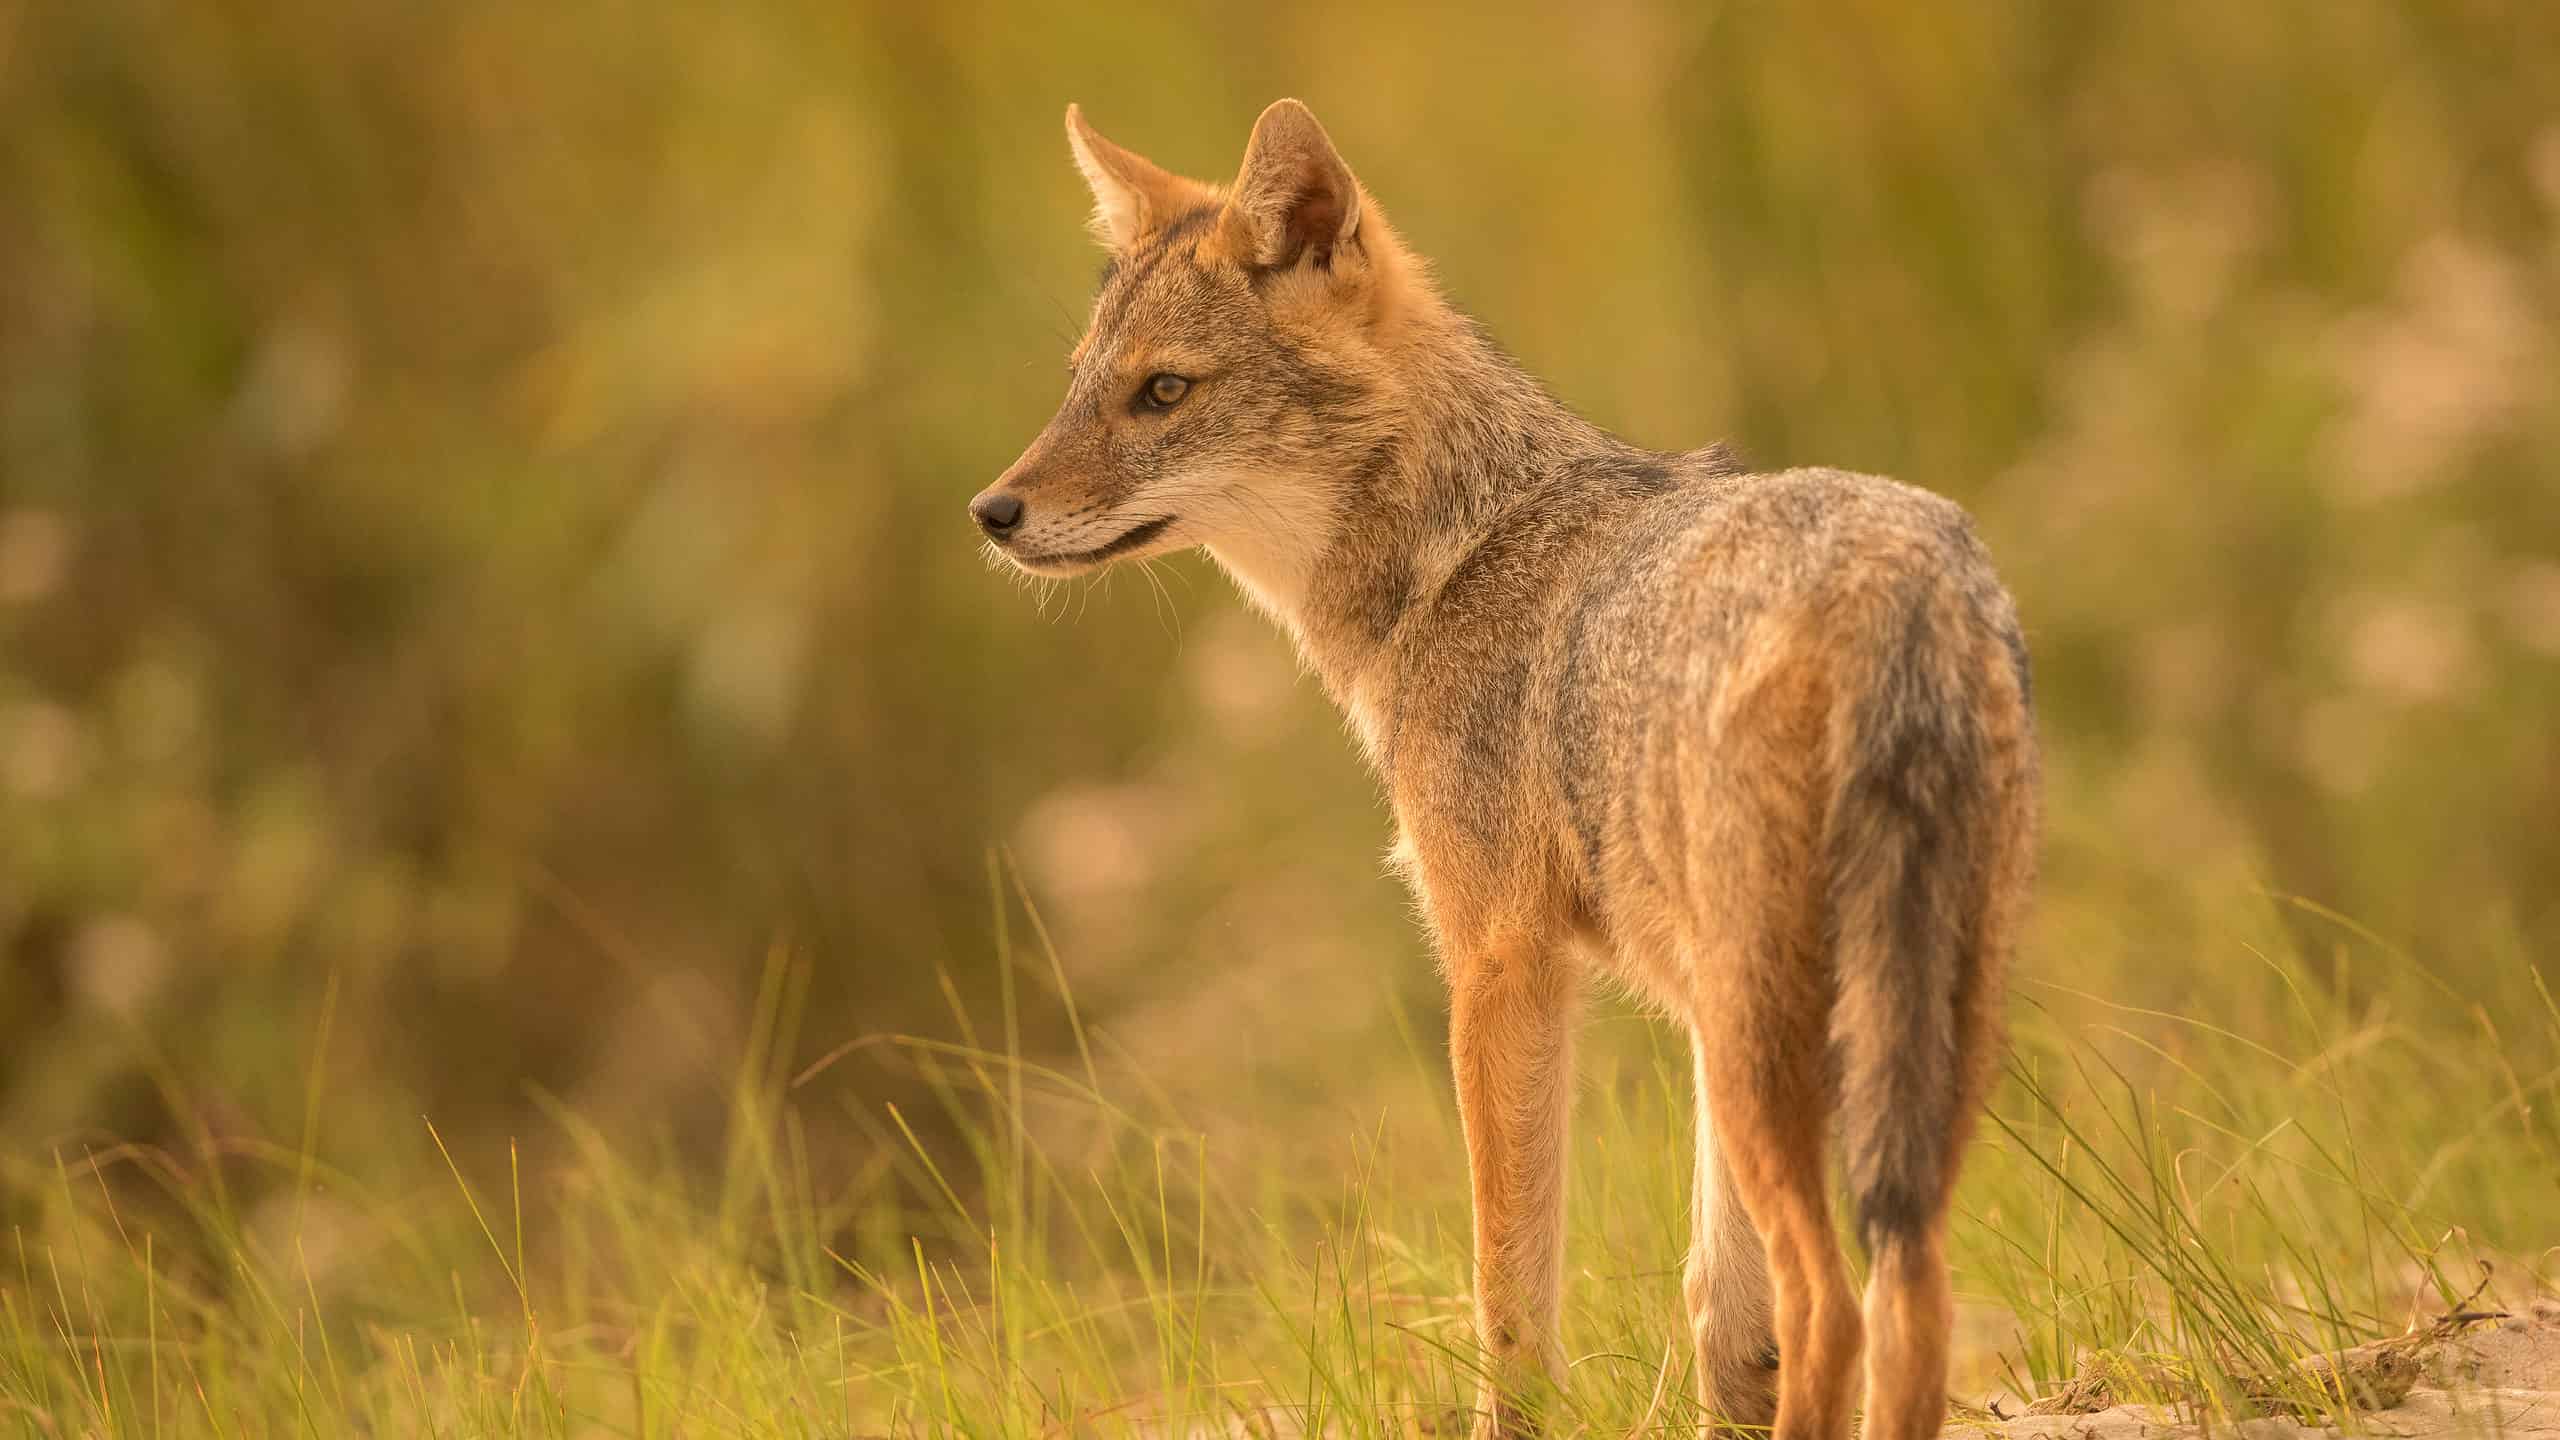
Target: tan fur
1759, 743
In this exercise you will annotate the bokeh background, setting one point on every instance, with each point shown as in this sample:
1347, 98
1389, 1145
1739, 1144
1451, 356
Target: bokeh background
484, 588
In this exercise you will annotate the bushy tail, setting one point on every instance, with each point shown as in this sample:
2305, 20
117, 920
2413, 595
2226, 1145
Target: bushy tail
1926, 756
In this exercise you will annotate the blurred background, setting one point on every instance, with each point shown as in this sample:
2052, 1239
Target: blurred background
484, 588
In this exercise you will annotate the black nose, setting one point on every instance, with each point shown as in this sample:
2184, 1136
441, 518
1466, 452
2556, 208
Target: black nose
998, 514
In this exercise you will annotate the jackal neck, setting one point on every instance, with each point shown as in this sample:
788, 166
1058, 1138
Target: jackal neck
1463, 442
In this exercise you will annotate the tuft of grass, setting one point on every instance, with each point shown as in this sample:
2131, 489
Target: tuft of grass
2305, 1158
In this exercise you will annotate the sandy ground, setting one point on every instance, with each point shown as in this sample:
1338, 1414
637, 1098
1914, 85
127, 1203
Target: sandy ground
2492, 1378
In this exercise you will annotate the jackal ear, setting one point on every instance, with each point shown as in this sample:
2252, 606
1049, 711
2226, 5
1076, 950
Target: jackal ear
1132, 195
1295, 199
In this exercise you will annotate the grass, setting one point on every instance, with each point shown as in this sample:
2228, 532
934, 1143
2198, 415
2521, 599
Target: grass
2326, 1148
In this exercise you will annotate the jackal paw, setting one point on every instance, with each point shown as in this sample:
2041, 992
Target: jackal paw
1739, 1390
1517, 1403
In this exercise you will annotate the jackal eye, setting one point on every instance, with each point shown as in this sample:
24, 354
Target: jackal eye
1163, 391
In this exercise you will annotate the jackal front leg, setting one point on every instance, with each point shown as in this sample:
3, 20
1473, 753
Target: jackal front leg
1511, 1013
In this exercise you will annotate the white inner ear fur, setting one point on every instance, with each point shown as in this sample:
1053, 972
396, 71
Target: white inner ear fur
1131, 194
1119, 209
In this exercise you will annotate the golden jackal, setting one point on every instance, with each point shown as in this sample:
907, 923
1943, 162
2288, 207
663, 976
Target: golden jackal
1759, 744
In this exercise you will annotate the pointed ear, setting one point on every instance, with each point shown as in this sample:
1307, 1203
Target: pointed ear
1132, 196
1294, 199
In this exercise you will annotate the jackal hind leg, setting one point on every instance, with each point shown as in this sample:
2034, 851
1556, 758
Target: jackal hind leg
1726, 1284
1766, 1100
1761, 1004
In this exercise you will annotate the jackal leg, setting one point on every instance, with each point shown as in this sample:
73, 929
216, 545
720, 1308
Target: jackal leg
1511, 1013
1910, 1309
1762, 1016
1727, 1285
1765, 1097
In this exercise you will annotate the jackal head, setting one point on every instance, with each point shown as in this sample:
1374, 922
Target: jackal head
1232, 373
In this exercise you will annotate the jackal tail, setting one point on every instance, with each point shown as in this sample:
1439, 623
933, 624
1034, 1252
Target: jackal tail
1927, 844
